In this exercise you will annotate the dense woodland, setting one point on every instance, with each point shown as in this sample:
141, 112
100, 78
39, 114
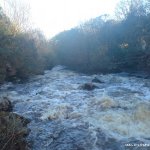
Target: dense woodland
100, 45
109, 45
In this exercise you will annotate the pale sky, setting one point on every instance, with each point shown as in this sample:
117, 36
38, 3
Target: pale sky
54, 16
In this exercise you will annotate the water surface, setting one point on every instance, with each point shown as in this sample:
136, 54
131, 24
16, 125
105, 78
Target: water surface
66, 117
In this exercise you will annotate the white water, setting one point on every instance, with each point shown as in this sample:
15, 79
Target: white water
65, 117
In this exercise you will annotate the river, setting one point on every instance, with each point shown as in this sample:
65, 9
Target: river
66, 117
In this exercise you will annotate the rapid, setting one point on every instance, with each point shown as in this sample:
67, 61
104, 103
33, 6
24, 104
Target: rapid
66, 117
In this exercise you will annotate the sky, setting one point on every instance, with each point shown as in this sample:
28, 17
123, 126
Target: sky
54, 16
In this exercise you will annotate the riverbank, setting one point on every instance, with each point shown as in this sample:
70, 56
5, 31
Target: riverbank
13, 127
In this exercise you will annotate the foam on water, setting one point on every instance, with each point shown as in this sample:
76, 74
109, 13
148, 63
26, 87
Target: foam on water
59, 112
104, 102
122, 123
120, 108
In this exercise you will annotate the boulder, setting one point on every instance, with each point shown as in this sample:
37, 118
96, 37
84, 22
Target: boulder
88, 86
5, 104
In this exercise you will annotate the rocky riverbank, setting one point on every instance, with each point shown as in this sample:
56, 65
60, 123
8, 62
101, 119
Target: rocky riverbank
13, 127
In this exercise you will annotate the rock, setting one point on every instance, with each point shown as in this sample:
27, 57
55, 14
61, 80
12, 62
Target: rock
96, 80
13, 127
11, 71
13, 130
5, 104
88, 86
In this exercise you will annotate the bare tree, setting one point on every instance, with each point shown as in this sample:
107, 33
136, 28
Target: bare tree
122, 9
132, 7
18, 12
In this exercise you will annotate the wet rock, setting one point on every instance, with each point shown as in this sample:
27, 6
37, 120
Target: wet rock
5, 104
96, 80
89, 86
13, 130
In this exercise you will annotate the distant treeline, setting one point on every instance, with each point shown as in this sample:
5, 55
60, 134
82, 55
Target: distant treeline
108, 45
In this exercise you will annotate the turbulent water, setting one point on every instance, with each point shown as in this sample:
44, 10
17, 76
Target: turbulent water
66, 117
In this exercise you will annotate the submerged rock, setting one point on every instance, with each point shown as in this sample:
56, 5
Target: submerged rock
89, 86
96, 80
5, 104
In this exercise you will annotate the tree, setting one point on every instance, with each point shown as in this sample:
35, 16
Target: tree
18, 12
127, 8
